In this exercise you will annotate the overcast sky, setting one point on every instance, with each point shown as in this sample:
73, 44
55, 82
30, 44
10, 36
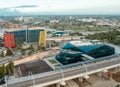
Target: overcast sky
64, 6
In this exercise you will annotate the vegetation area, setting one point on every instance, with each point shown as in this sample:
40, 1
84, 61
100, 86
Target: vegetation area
29, 50
32, 49
6, 69
42, 48
2, 54
111, 37
75, 33
78, 28
8, 53
76, 23
53, 61
118, 85
1, 42
51, 44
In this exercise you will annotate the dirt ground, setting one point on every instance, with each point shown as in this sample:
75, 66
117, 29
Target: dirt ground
116, 76
37, 56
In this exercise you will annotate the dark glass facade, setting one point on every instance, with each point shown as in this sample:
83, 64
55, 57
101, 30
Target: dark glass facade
101, 51
67, 58
20, 36
72, 54
33, 35
26, 35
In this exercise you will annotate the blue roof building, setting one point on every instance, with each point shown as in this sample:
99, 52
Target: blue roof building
72, 51
59, 33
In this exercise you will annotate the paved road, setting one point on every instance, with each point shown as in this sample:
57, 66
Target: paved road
11, 58
16, 55
56, 76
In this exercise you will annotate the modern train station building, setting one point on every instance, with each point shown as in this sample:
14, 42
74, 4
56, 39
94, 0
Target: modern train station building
77, 51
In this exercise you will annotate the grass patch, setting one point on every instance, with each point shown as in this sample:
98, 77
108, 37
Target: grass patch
57, 65
52, 61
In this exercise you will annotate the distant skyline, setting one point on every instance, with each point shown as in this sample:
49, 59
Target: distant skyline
60, 6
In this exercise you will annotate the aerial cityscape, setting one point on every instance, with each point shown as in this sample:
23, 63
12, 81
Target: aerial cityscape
63, 43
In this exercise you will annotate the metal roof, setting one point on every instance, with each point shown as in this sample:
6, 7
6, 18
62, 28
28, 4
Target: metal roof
88, 48
35, 67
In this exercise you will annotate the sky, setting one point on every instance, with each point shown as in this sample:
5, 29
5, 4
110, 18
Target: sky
62, 6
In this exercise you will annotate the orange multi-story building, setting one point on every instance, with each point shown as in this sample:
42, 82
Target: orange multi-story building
9, 41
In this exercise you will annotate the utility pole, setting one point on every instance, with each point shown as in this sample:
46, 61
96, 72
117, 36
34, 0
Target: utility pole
62, 82
26, 34
30, 73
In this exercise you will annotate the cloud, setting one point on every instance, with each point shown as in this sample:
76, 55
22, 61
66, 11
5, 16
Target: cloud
26, 6
15, 10
9, 12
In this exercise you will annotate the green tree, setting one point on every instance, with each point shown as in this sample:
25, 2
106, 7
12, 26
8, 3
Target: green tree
9, 52
111, 37
2, 70
23, 51
43, 48
7, 69
2, 54
30, 52
32, 48
10, 68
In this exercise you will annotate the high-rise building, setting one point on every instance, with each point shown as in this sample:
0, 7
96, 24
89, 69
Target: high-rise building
25, 35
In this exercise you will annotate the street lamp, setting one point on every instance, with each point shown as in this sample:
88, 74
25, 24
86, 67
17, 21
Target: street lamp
6, 77
36, 55
30, 73
62, 80
85, 76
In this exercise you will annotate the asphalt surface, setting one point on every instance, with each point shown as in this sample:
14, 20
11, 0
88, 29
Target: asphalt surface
11, 58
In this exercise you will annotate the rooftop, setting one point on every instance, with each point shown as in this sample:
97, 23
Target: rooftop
12, 30
83, 45
34, 67
88, 48
85, 42
76, 51
60, 32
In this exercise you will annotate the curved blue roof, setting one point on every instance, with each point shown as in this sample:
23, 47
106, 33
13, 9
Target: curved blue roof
81, 48
60, 32
88, 48
68, 46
